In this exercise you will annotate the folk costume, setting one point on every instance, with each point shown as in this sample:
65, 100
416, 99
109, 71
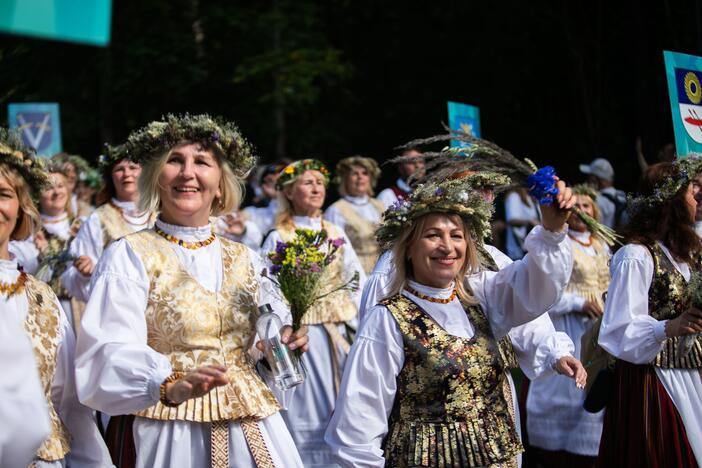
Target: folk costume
424, 383
327, 321
73, 437
654, 413
397, 192
168, 300
556, 418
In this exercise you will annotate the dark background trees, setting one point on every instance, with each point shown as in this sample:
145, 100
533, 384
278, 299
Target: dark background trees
561, 82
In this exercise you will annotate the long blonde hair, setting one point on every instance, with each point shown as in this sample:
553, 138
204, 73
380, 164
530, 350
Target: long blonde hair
230, 186
403, 265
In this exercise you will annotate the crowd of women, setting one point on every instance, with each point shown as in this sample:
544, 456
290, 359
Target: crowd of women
128, 330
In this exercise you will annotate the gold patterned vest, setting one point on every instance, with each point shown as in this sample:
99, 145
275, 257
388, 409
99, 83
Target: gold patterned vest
338, 306
42, 326
361, 232
450, 409
113, 224
590, 276
666, 300
506, 349
195, 327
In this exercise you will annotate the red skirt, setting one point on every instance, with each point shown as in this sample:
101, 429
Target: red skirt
642, 428
120, 441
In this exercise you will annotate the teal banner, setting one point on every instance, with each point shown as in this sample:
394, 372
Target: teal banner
40, 126
684, 74
86, 21
464, 118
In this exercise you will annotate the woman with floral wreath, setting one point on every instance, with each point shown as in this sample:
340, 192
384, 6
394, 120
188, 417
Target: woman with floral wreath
357, 212
301, 191
116, 217
654, 413
74, 439
168, 329
424, 382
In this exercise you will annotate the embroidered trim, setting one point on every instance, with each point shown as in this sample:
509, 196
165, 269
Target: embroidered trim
219, 452
257, 444
182, 243
10, 289
414, 292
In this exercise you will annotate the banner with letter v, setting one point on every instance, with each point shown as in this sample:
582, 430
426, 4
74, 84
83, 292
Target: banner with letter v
40, 126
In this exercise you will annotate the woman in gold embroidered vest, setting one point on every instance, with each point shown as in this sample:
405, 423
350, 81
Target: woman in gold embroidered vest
58, 228
357, 212
74, 437
171, 316
423, 385
114, 219
654, 414
560, 430
302, 188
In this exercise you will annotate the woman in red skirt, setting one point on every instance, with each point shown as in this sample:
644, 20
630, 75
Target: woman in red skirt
654, 414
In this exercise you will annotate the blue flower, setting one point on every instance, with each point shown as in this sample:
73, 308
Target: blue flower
542, 185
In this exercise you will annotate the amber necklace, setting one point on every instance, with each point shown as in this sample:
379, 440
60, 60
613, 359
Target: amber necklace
584, 244
182, 243
10, 289
120, 210
414, 292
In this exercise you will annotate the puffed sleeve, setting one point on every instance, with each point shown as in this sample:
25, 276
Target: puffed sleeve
360, 419
88, 242
569, 302
23, 411
88, 448
628, 332
377, 286
526, 288
116, 371
538, 346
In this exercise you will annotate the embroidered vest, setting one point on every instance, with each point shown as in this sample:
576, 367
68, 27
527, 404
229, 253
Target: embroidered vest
450, 409
193, 327
113, 224
361, 232
590, 276
666, 300
42, 326
338, 306
506, 349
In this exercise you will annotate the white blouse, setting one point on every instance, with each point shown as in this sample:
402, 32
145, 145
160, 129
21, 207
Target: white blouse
264, 217
388, 197
59, 226
629, 333
350, 259
509, 298
89, 242
87, 446
361, 205
116, 370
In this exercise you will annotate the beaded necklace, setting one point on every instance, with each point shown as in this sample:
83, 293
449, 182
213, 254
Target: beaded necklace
10, 289
584, 244
182, 243
414, 292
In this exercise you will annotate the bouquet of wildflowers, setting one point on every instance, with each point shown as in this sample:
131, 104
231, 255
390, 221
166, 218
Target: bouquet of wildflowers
298, 267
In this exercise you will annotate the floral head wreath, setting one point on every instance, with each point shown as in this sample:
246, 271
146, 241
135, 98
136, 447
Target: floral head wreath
485, 180
344, 167
78, 162
451, 197
585, 189
111, 155
16, 155
295, 169
149, 142
685, 169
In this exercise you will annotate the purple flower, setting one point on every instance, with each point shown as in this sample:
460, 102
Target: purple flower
439, 192
542, 185
314, 267
280, 247
275, 269
336, 243
215, 136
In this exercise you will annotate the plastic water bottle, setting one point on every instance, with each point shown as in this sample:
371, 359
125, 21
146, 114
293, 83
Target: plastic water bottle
284, 365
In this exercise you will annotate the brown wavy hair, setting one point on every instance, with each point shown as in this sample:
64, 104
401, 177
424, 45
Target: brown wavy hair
669, 222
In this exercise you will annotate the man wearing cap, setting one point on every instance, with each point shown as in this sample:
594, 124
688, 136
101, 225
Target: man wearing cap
611, 202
